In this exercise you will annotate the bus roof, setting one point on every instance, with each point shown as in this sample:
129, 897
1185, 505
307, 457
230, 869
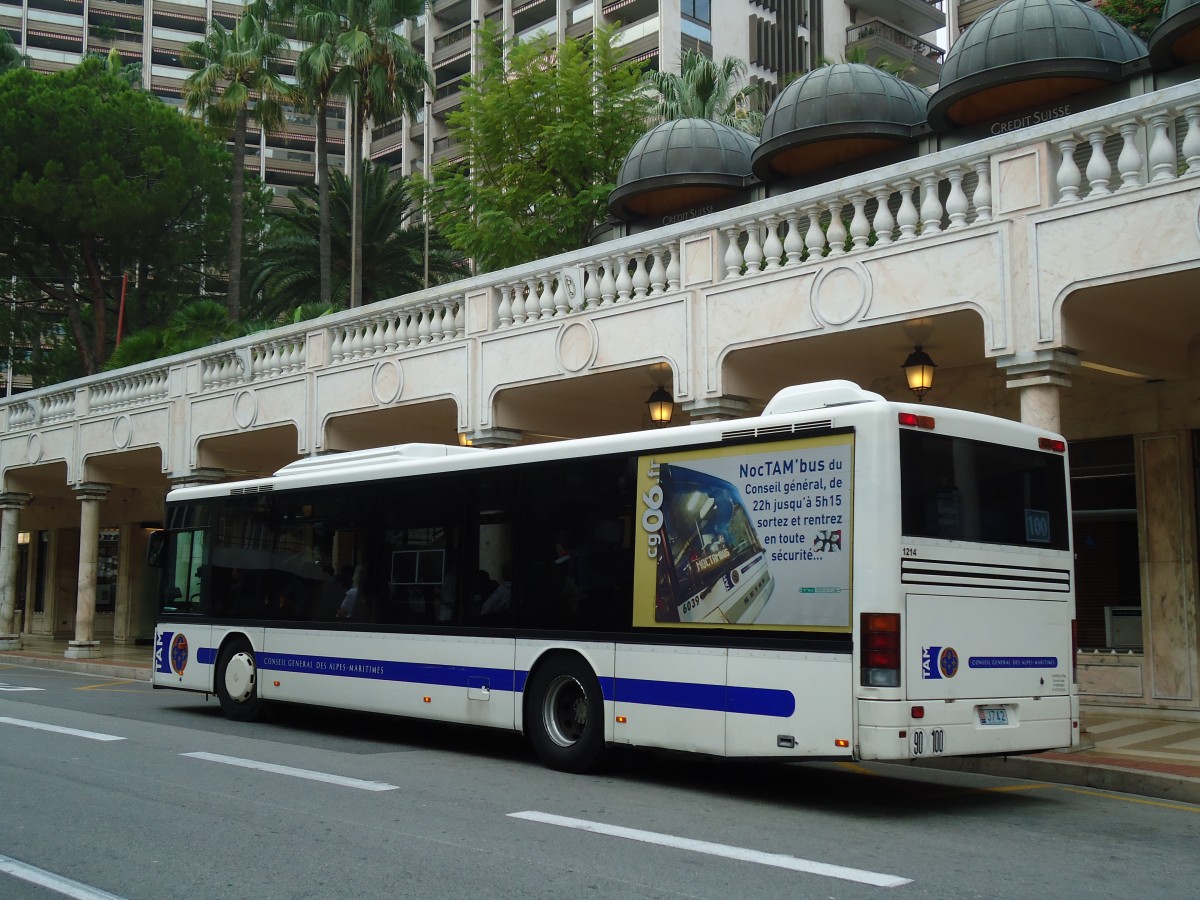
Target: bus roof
804, 408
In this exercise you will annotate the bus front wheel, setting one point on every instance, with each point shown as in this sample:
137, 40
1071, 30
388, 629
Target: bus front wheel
237, 682
565, 716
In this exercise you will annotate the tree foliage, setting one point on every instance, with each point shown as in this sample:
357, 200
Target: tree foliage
10, 56
106, 181
354, 51
236, 74
1139, 16
393, 247
708, 89
545, 136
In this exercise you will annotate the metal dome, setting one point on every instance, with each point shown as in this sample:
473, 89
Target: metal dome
1025, 53
680, 164
1176, 40
833, 114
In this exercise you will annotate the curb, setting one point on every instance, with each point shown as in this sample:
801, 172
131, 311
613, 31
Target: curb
99, 667
1164, 786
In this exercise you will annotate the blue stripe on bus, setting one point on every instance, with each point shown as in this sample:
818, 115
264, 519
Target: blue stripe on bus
717, 697
206, 656
680, 695
386, 670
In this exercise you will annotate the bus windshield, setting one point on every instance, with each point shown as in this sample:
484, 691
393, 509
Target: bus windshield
969, 490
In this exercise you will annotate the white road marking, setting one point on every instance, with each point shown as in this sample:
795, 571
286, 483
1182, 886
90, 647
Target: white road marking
59, 729
743, 854
50, 881
295, 773
13, 687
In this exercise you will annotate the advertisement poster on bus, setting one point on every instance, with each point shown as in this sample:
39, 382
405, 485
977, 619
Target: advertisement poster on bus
746, 537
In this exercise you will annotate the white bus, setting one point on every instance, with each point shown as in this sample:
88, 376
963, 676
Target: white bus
840, 578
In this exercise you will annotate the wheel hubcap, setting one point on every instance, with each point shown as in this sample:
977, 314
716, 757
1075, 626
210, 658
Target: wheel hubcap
564, 712
239, 677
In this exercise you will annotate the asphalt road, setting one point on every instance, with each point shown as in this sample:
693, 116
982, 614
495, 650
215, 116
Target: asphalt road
112, 789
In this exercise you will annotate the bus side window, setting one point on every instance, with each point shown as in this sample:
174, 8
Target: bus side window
490, 599
576, 560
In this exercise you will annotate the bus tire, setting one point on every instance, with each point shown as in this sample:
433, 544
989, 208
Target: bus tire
565, 714
237, 682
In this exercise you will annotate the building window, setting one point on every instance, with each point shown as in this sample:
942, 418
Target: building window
1108, 594
700, 10
106, 570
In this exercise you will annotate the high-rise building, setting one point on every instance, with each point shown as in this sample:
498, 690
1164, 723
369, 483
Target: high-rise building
777, 38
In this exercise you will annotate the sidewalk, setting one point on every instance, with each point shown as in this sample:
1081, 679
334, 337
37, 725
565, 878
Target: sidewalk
115, 660
1131, 754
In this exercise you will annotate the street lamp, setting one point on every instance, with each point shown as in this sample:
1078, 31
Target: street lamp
918, 370
661, 406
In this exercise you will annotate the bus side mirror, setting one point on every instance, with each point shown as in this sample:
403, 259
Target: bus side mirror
155, 548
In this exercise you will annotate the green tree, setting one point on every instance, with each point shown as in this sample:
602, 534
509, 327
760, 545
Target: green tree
381, 76
1139, 16
106, 181
317, 22
393, 262
194, 325
545, 137
10, 56
236, 74
708, 89
130, 73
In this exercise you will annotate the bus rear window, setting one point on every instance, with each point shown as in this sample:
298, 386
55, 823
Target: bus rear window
966, 490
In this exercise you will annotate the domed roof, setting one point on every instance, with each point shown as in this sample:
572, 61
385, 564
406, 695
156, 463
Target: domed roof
848, 109
680, 164
1177, 38
1025, 53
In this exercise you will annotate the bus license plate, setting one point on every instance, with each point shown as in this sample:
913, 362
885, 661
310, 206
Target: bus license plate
993, 715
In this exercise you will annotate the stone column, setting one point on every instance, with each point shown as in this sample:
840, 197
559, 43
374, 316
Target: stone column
10, 510
1040, 376
90, 495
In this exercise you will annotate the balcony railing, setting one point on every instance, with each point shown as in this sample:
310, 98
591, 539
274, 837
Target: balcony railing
452, 37
880, 28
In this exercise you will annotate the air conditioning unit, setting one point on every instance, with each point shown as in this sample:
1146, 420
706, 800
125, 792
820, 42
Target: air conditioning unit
1123, 627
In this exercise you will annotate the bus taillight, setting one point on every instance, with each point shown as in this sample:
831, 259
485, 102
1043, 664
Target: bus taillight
912, 420
1058, 446
880, 661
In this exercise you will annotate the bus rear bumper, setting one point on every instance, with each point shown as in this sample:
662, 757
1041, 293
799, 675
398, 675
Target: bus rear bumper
892, 730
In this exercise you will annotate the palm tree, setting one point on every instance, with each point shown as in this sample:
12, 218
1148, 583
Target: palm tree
381, 76
10, 56
393, 254
234, 74
706, 89
317, 22
196, 324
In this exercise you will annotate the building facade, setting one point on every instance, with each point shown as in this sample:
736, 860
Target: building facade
778, 38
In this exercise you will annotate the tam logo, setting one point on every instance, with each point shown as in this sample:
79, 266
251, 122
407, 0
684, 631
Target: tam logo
938, 663
161, 642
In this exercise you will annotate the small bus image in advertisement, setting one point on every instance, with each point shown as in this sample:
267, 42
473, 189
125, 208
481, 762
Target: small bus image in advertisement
713, 568
741, 537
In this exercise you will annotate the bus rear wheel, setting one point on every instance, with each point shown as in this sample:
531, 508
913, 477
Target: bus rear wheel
237, 682
565, 715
